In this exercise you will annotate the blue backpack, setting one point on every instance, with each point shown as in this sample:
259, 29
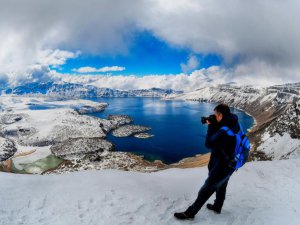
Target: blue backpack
242, 148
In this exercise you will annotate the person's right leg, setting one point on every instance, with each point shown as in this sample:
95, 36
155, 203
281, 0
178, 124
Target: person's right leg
203, 195
221, 194
220, 197
212, 184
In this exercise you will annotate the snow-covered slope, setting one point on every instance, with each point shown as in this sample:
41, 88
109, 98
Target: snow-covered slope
44, 127
259, 193
281, 138
275, 109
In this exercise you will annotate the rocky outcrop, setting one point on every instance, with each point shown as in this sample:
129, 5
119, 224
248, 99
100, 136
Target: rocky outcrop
281, 138
143, 135
84, 109
129, 130
288, 122
7, 149
10, 118
73, 125
119, 120
82, 148
19, 133
112, 160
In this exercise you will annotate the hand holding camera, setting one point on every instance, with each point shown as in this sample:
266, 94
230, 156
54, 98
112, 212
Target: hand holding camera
209, 120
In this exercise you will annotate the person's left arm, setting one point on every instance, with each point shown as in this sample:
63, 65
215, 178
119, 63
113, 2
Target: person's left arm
214, 136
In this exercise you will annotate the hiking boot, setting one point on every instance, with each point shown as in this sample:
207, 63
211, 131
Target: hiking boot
214, 208
183, 216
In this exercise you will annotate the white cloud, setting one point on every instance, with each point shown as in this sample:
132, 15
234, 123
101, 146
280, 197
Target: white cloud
191, 64
186, 82
34, 73
229, 28
263, 35
17, 69
88, 69
55, 57
214, 75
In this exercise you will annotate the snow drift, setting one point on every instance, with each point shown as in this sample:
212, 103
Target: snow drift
259, 193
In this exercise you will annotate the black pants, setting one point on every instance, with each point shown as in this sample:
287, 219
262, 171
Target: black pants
216, 182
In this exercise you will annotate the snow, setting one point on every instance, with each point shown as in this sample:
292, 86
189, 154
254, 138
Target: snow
23, 102
34, 131
39, 153
259, 193
128, 130
237, 95
277, 148
51, 125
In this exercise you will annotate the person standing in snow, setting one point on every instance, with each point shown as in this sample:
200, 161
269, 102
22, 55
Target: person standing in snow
221, 164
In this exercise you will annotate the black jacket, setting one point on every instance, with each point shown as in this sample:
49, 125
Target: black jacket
221, 145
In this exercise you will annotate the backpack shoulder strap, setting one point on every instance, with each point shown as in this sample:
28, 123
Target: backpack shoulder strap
241, 128
227, 130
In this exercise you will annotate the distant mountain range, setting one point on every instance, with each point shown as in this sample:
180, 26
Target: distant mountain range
81, 90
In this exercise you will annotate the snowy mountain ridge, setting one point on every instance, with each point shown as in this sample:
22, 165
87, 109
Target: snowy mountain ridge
63, 89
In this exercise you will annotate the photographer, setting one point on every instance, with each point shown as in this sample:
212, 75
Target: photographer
221, 164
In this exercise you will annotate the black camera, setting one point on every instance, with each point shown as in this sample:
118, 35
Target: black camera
212, 119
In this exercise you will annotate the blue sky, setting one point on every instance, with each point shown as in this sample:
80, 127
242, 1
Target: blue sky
147, 55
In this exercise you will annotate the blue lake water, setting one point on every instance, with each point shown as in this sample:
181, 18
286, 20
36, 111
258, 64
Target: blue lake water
176, 126
43, 106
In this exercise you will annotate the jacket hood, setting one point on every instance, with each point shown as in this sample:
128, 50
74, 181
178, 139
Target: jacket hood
231, 121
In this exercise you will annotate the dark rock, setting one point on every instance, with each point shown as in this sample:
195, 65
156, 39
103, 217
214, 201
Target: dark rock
91, 109
11, 118
7, 149
82, 148
143, 135
128, 130
120, 120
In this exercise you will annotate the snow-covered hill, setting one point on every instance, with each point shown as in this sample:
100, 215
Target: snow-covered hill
63, 89
276, 111
259, 193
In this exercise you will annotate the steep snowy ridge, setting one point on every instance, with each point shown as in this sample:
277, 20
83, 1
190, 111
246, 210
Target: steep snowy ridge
275, 109
281, 139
